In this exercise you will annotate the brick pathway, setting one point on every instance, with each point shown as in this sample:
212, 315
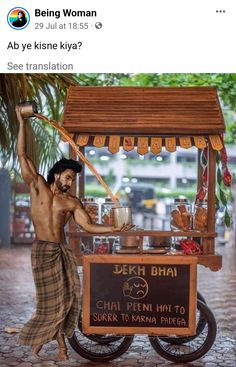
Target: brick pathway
17, 304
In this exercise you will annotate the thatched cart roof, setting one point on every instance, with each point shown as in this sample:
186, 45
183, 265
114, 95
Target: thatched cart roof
143, 112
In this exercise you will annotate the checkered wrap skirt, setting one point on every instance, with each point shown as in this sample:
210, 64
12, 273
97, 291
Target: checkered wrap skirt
57, 293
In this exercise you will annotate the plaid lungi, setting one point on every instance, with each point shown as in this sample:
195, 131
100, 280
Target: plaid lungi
57, 293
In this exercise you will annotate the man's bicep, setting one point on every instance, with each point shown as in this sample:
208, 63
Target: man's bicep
32, 167
28, 170
81, 217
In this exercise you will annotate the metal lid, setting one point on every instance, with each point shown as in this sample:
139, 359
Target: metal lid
89, 199
178, 200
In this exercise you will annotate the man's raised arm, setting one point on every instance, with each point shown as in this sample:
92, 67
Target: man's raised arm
28, 170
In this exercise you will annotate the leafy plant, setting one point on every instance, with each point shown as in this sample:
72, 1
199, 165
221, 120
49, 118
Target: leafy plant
223, 182
224, 193
49, 90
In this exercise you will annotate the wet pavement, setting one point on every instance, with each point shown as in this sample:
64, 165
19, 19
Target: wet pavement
17, 305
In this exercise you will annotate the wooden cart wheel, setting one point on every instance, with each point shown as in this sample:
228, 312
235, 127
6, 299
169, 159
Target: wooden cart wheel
200, 297
201, 323
99, 348
191, 349
98, 352
98, 338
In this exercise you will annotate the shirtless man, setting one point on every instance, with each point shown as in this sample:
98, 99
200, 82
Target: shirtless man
51, 207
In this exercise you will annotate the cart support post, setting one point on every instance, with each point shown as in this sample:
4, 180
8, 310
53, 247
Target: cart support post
199, 169
72, 226
211, 199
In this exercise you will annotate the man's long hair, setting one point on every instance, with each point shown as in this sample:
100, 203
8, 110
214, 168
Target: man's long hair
61, 166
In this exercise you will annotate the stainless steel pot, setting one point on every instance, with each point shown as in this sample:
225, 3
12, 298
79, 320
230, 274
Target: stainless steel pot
28, 109
122, 215
159, 241
129, 241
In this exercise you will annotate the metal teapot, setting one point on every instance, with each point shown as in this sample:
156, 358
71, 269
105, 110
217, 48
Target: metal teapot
28, 109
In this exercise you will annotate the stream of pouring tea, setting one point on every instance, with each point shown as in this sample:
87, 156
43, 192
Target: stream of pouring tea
74, 146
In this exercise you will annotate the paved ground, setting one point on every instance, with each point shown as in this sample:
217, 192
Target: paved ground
17, 304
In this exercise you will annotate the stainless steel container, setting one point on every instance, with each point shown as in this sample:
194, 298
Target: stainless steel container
122, 215
129, 241
159, 241
28, 109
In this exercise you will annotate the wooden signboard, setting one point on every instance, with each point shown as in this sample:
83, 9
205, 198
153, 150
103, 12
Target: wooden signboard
140, 294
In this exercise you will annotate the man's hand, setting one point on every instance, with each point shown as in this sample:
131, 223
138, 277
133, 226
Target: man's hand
124, 227
18, 113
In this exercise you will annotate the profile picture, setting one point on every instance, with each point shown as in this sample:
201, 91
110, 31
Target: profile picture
18, 18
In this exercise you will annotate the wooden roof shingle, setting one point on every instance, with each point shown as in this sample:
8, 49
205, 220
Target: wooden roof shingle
138, 110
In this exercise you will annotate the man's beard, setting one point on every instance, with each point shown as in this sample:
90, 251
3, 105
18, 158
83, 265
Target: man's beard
60, 186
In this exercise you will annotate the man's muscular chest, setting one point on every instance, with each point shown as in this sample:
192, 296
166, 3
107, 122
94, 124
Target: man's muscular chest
45, 200
60, 204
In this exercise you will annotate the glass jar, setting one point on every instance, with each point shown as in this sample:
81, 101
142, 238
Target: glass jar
92, 209
102, 246
200, 216
181, 215
107, 213
86, 245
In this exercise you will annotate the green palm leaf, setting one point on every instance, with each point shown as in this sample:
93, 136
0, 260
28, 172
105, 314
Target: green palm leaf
49, 91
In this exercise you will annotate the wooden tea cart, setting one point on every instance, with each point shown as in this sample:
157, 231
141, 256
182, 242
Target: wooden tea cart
150, 119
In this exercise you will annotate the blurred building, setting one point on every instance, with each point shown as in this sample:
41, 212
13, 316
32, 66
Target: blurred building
167, 171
